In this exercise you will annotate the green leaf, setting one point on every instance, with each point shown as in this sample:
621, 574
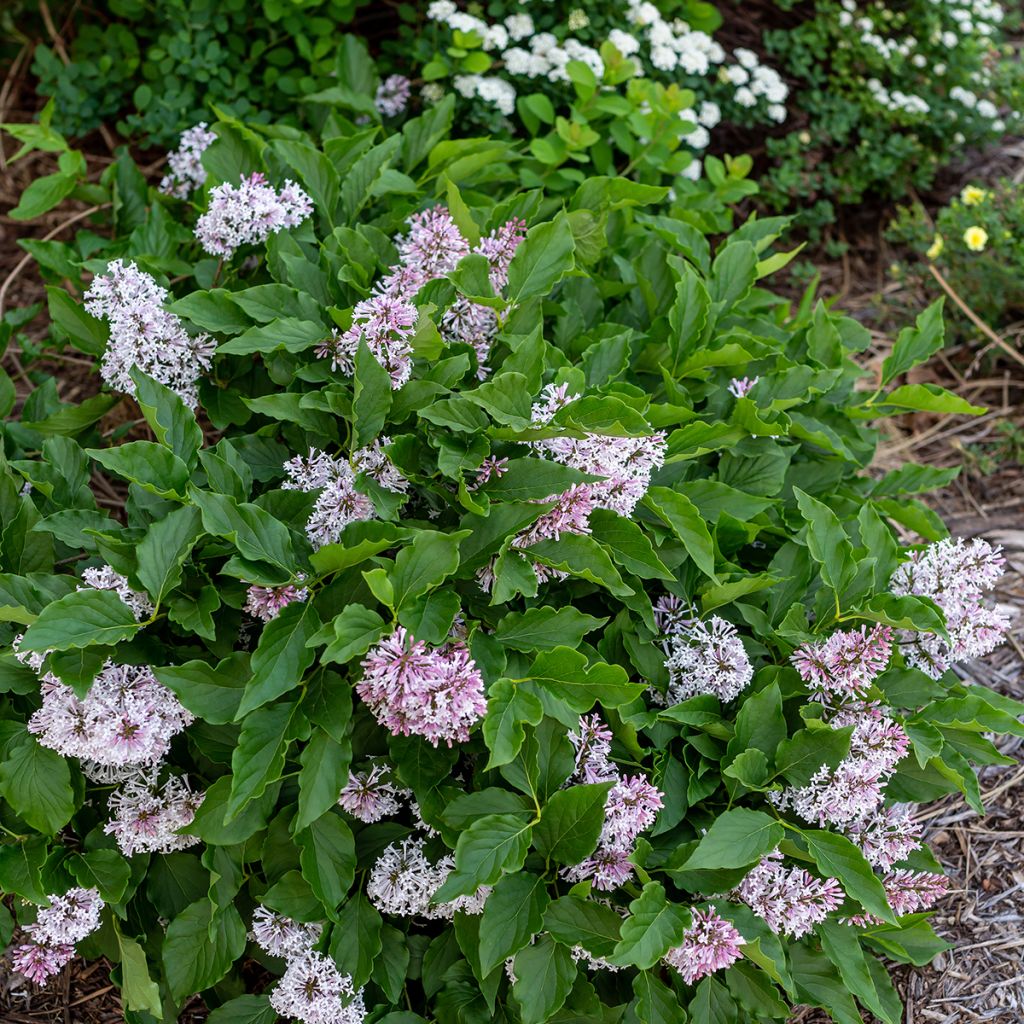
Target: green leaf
147, 464
542, 259
565, 674
843, 948
43, 194
653, 927
544, 973
492, 846
328, 860
542, 629
916, 344
534, 480
930, 398
836, 855
371, 398
827, 541
200, 947
86, 333
655, 1002
140, 992
211, 693
428, 561
628, 545
325, 764
509, 707
688, 525
594, 926
351, 633
799, 757
288, 333
712, 1004
242, 1010
513, 914
356, 938
570, 823
733, 273
36, 782
257, 534
581, 556
281, 656
21, 867
258, 760
81, 619
736, 838
105, 870
170, 419
164, 549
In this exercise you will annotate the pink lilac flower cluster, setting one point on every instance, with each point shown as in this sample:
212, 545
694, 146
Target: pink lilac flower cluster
147, 818
631, 806
436, 693
105, 578
706, 657
266, 603
908, 892
126, 719
955, 574
186, 172
312, 990
373, 461
67, 920
282, 937
490, 469
789, 900
403, 881
249, 213
392, 95
887, 835
625, 463
339, 502
145, 335
370, 795
845, 664
431, 249
710, 944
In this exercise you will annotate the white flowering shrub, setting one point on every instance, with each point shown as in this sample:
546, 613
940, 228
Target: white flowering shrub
480, 609
886, 94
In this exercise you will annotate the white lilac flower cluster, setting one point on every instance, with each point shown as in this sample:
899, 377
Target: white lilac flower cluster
106, 578
144, 334
392, 95
702, 657
403, 881
249, 213
67, 920
312, 989
387, 320
147, 817
669, 50
186, 172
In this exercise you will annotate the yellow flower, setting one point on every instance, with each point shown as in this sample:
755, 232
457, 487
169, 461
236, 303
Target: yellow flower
975, 238
935, 249
972, 195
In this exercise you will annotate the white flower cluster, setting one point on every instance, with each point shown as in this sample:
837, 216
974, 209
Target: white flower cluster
105, 578
145, 335
147, 817
186, 172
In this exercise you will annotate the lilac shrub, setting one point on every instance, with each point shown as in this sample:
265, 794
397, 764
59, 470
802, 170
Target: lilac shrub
488, 612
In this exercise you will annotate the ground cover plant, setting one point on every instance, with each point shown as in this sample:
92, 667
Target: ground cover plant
461, 600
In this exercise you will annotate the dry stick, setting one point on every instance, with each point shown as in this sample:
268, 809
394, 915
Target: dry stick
27, 258
973, 317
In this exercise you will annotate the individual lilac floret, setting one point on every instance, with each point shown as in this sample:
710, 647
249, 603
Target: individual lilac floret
67, 920
387, 323
845, 664
392, 95
147, 818
789, 900
955, 575
145, 335
625, 463
402, 882
741, 387
105, 578
370, 795
266, 603
436, 693
339, 502
707, 657
314, 991
280, 936
710, 944
249, 213
127, 718
186, 172
373, 461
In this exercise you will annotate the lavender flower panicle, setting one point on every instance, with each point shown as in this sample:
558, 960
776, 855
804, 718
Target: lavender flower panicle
413, 689
148, 818
846, 663
105, 578
67, 920
186, 172
373, 461
789, 900
706, 657
280, 936
145, 335
339, 502
249, 213
266, 603
314, 991
710, 944
392, 95
370, 795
